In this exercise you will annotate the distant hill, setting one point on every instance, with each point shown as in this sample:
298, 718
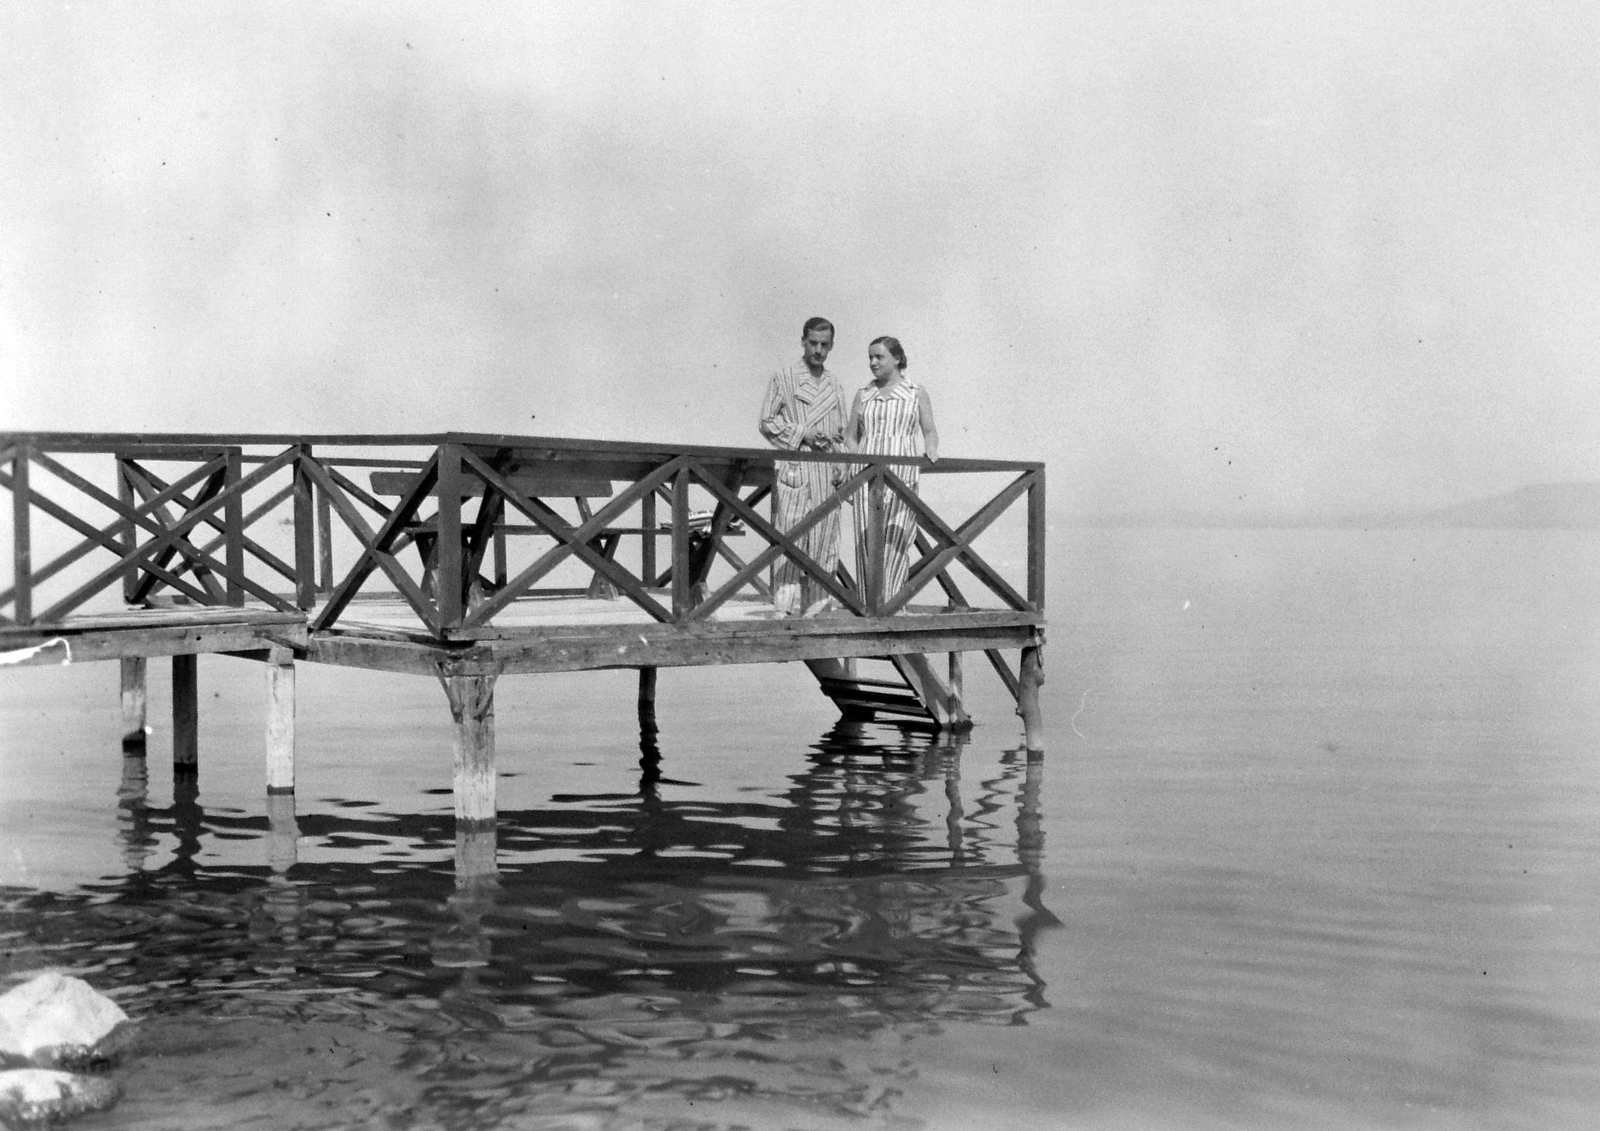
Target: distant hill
1561, 506
1573, 506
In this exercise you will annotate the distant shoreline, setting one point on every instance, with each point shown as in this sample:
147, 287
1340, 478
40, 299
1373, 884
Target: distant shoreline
1545, 506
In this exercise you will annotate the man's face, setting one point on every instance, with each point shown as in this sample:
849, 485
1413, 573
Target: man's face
817, 343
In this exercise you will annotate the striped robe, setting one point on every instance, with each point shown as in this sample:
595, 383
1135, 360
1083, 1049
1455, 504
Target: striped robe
798, 403
890, 424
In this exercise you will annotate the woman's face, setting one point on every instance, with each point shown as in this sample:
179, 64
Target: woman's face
880, 361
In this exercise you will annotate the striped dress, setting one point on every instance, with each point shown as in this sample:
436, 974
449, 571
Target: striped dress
890, 424
798, 403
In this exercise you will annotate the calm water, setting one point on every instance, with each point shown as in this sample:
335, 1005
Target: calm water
1314, 846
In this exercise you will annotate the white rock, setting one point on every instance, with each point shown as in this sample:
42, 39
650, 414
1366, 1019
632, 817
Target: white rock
55, 1015
39, 1095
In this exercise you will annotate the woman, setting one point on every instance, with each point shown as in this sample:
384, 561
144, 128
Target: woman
890, 417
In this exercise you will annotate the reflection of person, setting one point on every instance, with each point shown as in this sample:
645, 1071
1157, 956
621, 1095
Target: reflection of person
890, 417
804, 411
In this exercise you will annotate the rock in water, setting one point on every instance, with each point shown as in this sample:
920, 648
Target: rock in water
30, 1096
54, 1019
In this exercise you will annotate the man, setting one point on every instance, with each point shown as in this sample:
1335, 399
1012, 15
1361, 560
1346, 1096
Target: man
805, 411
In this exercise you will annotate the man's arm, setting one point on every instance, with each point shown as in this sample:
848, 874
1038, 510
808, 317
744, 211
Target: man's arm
778, 424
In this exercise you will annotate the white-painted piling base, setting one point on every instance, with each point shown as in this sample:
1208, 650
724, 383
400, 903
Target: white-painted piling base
472, 707
280, 721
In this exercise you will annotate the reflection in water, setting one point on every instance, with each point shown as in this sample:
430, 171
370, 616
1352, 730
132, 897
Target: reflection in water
601, 953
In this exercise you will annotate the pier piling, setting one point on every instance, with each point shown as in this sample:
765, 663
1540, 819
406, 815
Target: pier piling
280, 721
134, 703
472, 707
283, 832
647, 694
185, 714
1028, 682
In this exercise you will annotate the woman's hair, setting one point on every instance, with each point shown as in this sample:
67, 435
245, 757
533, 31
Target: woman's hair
893, 346
817, 323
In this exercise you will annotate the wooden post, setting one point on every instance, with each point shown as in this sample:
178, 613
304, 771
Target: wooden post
647, 693
233, 526
280, 721
305, 533
472, 707
1028, 681
872, 569
1036, 540
324, 541
681, 599
134, 703
283, 830
448, 589
21, 540
127, 532
133, 819
647, 541
185, 714
475, 858
957, 709
500, 571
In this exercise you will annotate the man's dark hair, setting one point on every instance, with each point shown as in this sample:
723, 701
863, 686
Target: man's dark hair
817, 323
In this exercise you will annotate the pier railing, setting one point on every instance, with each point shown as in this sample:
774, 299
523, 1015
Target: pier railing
231, 520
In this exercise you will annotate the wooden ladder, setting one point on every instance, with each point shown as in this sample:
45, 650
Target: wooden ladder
920, 695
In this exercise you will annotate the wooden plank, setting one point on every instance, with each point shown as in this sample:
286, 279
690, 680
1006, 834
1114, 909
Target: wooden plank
179, 617
764, 627
537, 486
527, 448
578, 648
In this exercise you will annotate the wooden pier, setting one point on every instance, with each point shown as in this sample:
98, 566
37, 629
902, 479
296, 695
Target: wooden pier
469, 557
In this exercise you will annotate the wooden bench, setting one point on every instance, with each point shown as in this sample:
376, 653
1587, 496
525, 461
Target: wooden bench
541, 485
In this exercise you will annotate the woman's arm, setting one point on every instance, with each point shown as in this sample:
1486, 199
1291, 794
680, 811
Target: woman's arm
852, 428
930, 432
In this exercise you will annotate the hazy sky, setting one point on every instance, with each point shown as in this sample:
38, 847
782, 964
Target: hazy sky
1290, 255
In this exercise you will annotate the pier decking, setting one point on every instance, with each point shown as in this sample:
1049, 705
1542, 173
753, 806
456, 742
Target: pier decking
470, 557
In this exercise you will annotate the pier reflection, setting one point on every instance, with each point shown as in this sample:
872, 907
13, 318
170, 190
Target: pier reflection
878, 889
